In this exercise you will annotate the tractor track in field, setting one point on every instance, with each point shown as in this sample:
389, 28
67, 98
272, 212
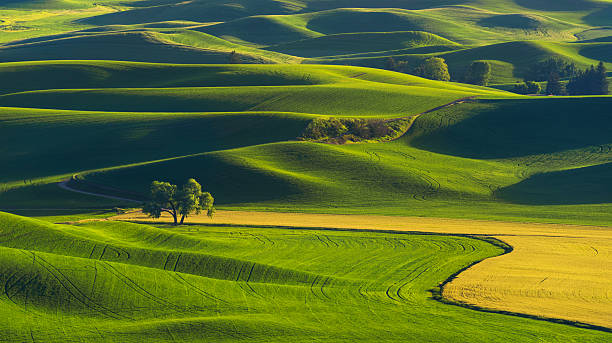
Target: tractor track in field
65, 184
129, 282
177, 276
414, 117
73, 290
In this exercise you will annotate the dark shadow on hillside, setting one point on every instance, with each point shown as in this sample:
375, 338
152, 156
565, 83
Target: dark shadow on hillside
84, 145
511, 21
588, 185
557, 5
492, 129
601, 17
409, 5
599, 52
349, 21
230, 182
198, 10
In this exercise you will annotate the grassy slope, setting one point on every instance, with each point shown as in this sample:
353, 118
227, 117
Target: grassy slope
509, 61
455, 163
118, 281
355, 43
179, 46
128, 137
333, 91
164, 31
442, 169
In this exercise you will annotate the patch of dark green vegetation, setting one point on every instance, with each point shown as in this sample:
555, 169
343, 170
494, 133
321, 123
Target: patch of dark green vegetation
346, 130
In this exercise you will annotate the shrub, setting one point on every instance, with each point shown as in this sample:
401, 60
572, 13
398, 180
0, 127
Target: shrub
347, 129
478, 73
433, 68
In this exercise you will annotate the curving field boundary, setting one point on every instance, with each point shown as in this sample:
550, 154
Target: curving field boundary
559, 272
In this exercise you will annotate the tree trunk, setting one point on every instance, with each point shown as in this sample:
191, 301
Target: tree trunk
182, 219
174, 216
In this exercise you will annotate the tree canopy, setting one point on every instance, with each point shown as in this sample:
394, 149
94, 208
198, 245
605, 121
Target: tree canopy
541, 71
592, 81
478, 73
188, 200
554, 85
433, 68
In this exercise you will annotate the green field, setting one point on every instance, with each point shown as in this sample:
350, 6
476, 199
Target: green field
100, 98
236, 128
111, 281
510, 34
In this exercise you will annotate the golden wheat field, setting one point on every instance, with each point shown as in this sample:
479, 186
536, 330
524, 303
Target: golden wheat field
554, 271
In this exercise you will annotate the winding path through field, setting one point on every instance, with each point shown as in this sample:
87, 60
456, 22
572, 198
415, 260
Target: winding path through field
555, 271
65, 185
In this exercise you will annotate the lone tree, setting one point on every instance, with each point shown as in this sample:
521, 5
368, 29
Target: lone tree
166, 197
433, 68
478, 73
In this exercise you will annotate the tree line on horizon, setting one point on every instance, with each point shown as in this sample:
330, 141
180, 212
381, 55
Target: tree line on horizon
590, 81
435, 68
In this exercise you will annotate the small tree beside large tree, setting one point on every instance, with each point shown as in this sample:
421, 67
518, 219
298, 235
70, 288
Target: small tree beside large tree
180, 203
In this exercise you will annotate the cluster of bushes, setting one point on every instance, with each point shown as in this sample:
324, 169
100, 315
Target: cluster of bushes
527, 87
342, 130
479, 73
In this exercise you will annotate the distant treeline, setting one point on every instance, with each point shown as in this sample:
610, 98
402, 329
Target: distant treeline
590, 81
435, 68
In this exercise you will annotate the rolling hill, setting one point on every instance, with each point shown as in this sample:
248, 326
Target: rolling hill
100, 98
119, 281
302, 130
504, 32
453, 161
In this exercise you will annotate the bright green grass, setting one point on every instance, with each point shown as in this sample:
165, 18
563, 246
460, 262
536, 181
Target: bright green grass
111, 281
121, 46
340, 91
510, 61
338, 100
261, 30
39, 75
359, 43
205, 41
331, 32
456, 162
109, 139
